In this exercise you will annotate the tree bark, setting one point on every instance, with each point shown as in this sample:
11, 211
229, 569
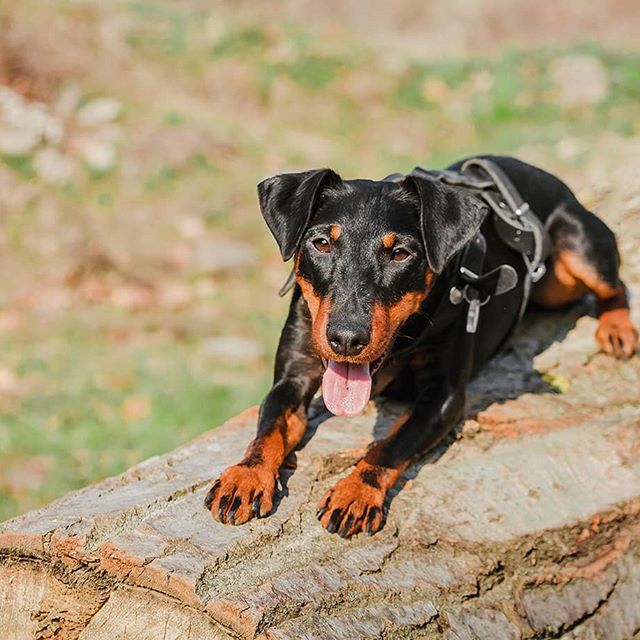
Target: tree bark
524, 525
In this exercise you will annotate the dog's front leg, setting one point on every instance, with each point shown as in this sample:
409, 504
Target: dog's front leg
246, 490
356, 503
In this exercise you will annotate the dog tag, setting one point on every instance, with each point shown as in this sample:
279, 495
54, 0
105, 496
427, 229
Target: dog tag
473, 315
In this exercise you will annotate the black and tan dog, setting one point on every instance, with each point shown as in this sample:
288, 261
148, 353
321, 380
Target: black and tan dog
372, 263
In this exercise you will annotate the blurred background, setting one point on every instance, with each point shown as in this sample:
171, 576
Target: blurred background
138, 301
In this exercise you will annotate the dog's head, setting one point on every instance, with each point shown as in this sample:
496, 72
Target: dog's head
366, 255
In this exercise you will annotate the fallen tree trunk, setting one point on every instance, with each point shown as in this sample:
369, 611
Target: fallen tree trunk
524, 526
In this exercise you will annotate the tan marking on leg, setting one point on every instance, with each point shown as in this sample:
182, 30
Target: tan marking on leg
570, 278
585, 273
242, 493
246, 490
296, 427
356, 503
616, 333
560, 285
273, 447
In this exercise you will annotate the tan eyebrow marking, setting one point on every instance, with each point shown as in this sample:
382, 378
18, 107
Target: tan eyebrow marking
388, 240
335, 231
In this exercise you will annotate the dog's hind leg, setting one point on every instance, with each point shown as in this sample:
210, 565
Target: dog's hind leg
585, 259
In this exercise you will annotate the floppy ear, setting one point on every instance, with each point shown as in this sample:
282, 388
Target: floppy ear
287, 202
449, 218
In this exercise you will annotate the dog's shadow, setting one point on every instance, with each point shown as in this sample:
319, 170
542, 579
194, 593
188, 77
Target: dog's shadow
507, 376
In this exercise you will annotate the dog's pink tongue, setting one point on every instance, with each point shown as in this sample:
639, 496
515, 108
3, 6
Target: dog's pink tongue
346, 388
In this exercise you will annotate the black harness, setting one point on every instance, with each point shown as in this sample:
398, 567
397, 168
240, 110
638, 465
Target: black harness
515, 223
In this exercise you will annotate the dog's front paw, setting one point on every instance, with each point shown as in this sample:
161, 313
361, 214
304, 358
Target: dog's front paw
242, 493
616, 334
353, 505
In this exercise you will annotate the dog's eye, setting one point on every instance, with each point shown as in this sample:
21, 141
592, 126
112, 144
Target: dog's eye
400, 255
322, 245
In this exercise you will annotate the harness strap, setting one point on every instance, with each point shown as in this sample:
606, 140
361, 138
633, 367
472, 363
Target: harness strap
469, 180
464, 273
516, 223
517, 215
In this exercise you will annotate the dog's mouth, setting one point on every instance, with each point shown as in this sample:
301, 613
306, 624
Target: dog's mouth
346, 386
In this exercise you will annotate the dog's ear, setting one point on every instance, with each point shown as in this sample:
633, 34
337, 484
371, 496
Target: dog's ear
449, 218
287, 202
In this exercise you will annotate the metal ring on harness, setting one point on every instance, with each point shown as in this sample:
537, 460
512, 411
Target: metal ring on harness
456, 296
466, 297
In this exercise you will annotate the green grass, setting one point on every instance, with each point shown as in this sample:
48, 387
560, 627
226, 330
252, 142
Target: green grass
96, 403
21, 164
212, 104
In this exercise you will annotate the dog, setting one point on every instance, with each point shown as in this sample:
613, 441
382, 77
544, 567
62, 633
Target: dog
372, 265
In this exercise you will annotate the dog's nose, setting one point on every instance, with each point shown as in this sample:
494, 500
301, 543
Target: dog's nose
348, 341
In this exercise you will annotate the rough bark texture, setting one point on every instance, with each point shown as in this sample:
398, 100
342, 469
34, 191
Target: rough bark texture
525, 525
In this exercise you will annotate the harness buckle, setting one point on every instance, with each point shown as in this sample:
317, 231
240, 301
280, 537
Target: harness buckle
473, 316
475, 296
470, 295
456, 296
475, 304
538, 272
467, 273
535, 273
